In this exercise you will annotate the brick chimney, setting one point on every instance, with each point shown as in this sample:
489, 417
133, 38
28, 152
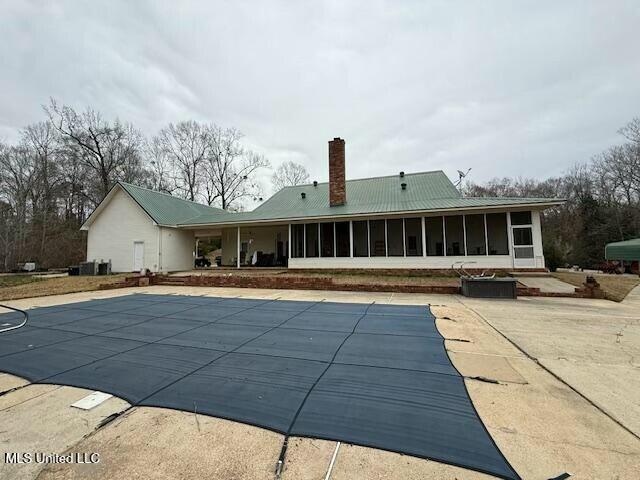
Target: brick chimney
337, 190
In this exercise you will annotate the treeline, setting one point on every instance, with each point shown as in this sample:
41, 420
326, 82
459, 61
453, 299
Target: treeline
63, 166
602, 202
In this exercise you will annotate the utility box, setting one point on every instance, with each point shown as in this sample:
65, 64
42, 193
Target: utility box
489, 287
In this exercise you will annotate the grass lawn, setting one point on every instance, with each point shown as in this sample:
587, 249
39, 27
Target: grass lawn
14, 280
616, 287
15, 289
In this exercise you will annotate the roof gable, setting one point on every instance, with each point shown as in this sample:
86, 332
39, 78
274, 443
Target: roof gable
162, 208
166, 209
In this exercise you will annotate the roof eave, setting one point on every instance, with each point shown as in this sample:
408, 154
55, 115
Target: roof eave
540, 205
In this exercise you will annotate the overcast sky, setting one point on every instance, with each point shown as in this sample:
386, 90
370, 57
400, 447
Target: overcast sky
506, 88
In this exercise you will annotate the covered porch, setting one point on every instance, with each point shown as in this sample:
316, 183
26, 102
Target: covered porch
251, 246
483, 239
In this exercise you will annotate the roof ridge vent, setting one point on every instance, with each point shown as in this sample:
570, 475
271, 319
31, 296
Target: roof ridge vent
403, 186
315, 183
303, 195
401, 174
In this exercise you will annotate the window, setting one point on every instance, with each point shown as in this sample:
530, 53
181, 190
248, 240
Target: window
326, 239
343, 246
395, 238
498, 239
297, 241
523, 252
413, 236
312, 239
520, 218
377, 242
433, 232
360, 239
522, 236
454, 235
474, 225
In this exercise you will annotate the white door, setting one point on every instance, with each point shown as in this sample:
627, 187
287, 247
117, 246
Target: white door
138, 256
523, 247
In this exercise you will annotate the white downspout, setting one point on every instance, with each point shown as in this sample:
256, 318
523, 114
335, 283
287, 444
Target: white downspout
289, 247
159, 268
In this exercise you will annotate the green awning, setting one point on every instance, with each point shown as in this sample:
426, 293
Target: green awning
627, 250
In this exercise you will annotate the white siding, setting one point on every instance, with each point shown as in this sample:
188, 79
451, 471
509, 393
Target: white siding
177, 248
229, 246
112, 234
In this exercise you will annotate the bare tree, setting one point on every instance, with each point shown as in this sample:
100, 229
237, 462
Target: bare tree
289, 174
17, 174
162, 178
230, 168
187, 145
43, 141
111, 151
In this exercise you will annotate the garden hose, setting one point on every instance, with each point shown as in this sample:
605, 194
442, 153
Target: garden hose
14, 327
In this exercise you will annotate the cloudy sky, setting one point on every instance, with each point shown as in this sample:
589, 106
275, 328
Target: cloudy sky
506, 88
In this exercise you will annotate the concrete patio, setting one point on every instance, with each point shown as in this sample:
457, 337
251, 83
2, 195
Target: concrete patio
565, 400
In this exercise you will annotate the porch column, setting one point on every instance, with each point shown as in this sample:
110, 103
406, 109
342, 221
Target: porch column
464, 233
424, 238
486, 236
444, 236
351, 238
510, 238
238, 250
289, 246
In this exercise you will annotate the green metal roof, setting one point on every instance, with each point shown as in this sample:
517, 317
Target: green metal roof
166, 209
627, 250
424, 192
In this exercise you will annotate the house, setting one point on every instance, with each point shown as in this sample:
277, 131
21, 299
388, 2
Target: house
417, 220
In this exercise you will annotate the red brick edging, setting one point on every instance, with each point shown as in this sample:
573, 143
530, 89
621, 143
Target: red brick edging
324, 283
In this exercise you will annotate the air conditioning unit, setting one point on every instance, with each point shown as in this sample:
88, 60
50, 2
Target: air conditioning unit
88, 268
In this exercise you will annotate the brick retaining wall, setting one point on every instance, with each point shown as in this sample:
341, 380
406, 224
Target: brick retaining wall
290, 282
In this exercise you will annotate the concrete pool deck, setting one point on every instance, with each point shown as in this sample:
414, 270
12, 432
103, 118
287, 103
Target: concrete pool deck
541, 424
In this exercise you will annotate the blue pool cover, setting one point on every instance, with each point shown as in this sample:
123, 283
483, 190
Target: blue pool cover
368, 374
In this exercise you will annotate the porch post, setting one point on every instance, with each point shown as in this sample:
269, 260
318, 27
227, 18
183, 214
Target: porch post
289, 246
386, 239
238, 249
464, 233
424, 238
404, 240
510, 238
444, 236
351, 238
486, 236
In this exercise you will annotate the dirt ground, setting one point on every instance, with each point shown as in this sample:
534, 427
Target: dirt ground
616, 287
54, 286
563, 396
341, 277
